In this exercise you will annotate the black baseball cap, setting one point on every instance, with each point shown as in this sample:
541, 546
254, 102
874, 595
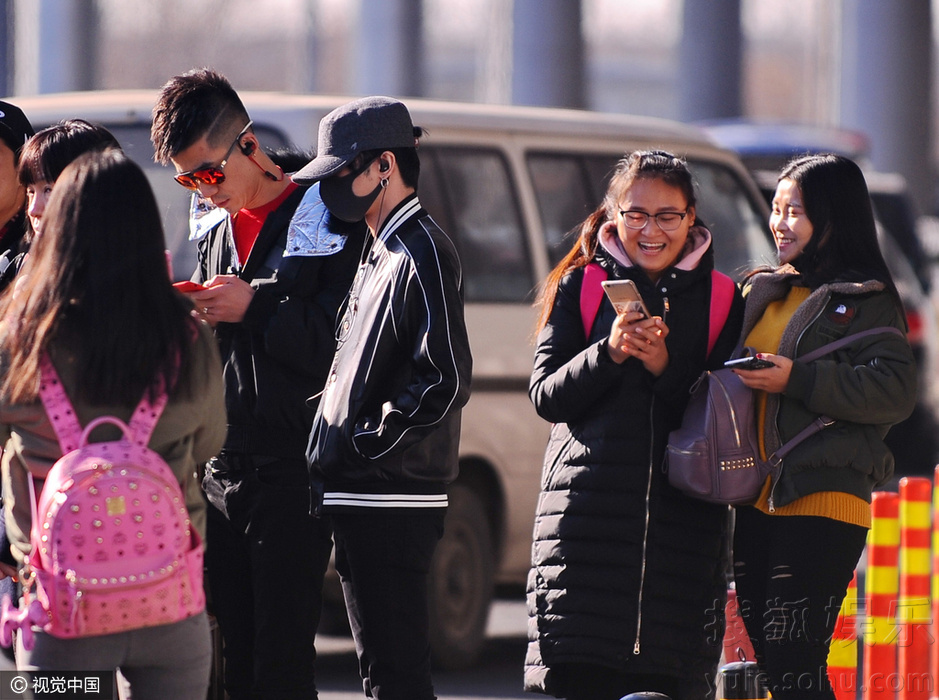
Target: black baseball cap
15, 128
361, 125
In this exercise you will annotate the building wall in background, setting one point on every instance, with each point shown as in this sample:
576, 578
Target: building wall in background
791, 50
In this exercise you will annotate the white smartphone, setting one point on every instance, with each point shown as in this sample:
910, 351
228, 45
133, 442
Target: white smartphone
624, 295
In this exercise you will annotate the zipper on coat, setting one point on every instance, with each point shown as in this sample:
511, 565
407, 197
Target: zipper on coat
771, 500
645, 533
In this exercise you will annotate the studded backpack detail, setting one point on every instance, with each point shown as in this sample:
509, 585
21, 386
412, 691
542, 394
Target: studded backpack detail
112, 546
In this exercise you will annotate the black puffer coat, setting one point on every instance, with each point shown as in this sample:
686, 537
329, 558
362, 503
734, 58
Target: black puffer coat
627, 572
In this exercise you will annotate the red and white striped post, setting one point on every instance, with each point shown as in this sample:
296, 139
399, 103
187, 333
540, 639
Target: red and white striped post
881, 588
913, 604
934, 649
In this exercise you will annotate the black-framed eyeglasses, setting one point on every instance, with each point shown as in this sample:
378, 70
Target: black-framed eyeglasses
214, 174
665, 220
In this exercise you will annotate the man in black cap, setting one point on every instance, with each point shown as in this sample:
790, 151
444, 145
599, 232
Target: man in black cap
385, 438
15, 130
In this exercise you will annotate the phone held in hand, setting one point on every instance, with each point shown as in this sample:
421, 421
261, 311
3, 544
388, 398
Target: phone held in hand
624, 296
186, 286
748, 363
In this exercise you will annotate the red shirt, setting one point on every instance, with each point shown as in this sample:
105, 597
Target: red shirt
248, 223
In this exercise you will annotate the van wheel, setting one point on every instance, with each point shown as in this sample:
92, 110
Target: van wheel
461, 582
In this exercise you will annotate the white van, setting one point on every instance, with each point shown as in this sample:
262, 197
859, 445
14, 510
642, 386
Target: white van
507, 184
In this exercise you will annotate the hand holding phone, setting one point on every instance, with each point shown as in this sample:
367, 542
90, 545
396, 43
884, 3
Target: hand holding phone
624, 296
748, 363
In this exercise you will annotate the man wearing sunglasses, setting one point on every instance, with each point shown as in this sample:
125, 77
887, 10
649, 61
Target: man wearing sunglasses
275, 271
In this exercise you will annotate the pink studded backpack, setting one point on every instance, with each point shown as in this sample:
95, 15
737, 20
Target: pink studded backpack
112, 545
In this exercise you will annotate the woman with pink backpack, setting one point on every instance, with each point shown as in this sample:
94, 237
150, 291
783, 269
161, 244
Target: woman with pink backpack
95, 344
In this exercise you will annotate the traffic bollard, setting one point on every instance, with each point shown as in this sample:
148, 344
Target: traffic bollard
742, 681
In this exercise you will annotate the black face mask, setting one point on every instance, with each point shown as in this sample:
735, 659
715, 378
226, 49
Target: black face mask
338, 197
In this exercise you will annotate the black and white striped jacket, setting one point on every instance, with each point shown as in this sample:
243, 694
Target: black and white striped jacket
386, 433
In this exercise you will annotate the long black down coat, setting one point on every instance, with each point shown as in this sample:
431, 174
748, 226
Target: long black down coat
627, 572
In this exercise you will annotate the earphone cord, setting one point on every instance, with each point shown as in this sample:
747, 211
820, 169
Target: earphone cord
381, 201
267, 173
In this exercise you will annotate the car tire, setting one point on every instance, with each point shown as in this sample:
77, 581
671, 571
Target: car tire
461, 582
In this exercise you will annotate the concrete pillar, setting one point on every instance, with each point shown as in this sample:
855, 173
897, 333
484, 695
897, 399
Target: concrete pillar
55, 45
302, 74
494, 65
548, 53
709, 60
389, 53
887, 86
6, 47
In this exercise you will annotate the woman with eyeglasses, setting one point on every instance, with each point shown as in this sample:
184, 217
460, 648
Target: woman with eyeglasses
627, 586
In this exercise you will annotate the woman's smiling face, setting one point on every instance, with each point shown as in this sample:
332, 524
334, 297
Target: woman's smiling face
649, 247
789, 223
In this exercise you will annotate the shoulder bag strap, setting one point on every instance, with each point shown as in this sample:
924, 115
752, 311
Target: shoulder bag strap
847, 340
823, 422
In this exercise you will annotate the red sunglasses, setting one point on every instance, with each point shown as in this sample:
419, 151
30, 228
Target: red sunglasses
212, 175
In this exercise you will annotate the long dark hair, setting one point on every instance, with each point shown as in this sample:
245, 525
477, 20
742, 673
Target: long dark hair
638, 165
844, 243
96, 285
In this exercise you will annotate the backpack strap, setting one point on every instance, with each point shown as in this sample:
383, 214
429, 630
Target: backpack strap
722, 298
58, 408
65, 423
145, 417
591, 294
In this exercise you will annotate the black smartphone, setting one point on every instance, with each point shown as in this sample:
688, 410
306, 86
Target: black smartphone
748, 363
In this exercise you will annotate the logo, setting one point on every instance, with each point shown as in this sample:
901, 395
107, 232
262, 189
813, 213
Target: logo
842, 314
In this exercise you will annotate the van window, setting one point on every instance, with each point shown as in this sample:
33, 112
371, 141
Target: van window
469, 193
740, 233
569, 186
563, 190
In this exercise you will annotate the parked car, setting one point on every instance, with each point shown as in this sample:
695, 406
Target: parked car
768, 145
508, 184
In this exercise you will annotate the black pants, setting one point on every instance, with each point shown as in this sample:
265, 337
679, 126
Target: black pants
383, 557
792, 573
265, 559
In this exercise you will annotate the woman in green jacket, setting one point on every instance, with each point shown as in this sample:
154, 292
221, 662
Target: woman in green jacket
796, 548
